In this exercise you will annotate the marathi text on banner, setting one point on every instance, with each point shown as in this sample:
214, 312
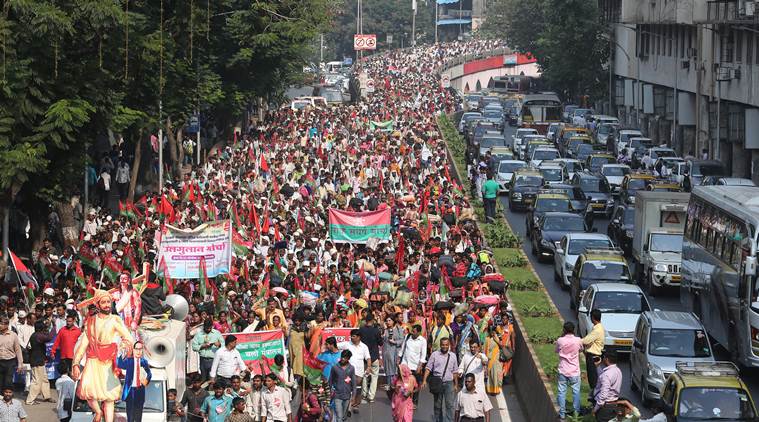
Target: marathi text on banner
358, 227
260, 343
340, 334
182, 250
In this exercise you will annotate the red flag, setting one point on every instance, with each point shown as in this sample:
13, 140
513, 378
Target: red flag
251, 156
277, 236
264, 164
167, 209
24, 275
362, 274
399, 253
265, 227
275, 186
382, 181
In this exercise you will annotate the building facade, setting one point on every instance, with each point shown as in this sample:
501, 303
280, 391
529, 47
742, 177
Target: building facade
687, 73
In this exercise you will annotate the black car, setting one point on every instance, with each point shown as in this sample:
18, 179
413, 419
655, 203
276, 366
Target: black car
596, 190
577, 198
620, 228
546, 202
524, 188
549, 230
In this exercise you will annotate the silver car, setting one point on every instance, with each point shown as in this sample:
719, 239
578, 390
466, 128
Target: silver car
663, 338
506, 169
620, 304
570, 247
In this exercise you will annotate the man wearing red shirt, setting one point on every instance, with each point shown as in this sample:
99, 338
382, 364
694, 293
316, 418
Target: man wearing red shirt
65, 340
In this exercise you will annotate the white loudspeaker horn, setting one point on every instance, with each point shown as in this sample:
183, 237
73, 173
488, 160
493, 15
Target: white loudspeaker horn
179, 305
160, 351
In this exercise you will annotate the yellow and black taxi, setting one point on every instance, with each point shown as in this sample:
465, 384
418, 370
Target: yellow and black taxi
524, 187
707, 391
594, 162
546, 201
596, 190
597, 266
659, 185
550, 228
632, 183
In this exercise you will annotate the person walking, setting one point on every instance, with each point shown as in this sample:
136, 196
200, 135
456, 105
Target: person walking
593, 344
391, 342
66, 339
342, 381
372, 338
489, 195
414, 355
360, 360
238, 412
193, 399
472, 405
206, 343
441, 372
276, 402
474, 362
37, 359
137, 377
403, 391
104, 188
227, 362
11, 410
122, 179
216, 408
66, 388
568, 347
11, 357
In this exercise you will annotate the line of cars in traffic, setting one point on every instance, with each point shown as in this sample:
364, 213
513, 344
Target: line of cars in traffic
571, 175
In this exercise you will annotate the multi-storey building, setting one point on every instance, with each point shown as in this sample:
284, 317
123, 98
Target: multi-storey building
687, 73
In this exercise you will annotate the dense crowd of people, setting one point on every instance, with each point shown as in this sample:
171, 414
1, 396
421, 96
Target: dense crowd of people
425, 308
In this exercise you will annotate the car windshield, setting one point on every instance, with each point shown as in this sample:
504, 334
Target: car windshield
564, 224
704, 403
493, 114
509, 167
529, 181
637, 184
615, 171
666, 243
641, 143
594, 185
678, 343
597, 162
573, 166
545, 154
605, 270
551, 205
522, 133
491, 142
154, 395
578, 246
629, 216
656, 153
552, 175
620, 302
605, 129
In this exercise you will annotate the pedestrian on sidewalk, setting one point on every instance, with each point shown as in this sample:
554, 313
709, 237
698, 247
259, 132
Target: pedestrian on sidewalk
414, 355
607, 390
472, 405
342, 381
11, 357
593, 343
122, 179
11, 410
372, 338
441, 373
568, 347
66, 388
403, 402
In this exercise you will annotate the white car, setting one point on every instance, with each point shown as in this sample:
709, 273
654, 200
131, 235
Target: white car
506, 169
523, 141
573, 166
553, 173
614, 173
621, 305
553, 131
517, 137
570, 247
541, 154
623, 138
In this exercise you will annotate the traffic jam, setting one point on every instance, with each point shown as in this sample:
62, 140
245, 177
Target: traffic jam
662, 244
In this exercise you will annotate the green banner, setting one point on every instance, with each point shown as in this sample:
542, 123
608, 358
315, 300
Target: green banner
385, 126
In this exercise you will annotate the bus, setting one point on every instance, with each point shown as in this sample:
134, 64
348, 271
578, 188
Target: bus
512, 84
719, 263
539, 111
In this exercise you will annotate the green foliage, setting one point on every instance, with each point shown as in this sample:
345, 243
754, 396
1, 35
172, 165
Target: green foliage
565, 36
499, 235
524, 284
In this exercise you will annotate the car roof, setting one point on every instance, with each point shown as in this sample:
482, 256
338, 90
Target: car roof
528, 172
737, 181
604, 155
563, 214
546, 149
628, 131
586, 175
552, 195
646, 176
673, 320
512, 161
615, 165
711, 381
587, 236
616, 287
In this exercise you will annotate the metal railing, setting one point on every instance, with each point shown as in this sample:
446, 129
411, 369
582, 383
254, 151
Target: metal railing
455, 14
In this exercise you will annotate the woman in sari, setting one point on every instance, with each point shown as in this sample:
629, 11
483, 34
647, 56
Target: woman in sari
403, 403
497, 337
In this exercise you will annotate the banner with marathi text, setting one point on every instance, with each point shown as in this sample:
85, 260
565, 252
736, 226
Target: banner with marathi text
182, 250
260, 343
359, 227
340, 334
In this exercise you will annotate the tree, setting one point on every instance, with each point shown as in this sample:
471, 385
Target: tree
564, 36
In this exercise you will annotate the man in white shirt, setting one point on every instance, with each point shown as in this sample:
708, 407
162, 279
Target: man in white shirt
24, 332
360, 359
414, 355
227, 362
474, 362
276, 403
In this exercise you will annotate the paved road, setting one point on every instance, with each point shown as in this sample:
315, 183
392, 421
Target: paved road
667, 301
379, 411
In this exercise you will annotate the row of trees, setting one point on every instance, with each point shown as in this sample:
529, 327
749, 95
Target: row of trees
565, 36
74, 71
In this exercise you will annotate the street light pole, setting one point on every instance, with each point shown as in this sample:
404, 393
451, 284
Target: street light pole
413, 22
436, 13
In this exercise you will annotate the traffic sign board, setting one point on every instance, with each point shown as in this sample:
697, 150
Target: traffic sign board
370, 85
365, 42
671, 218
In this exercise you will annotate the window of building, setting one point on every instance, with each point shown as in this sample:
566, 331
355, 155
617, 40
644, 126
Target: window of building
657, 34
749, 48
670, 35
727, 46
756, 45
681, 31
738, 46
